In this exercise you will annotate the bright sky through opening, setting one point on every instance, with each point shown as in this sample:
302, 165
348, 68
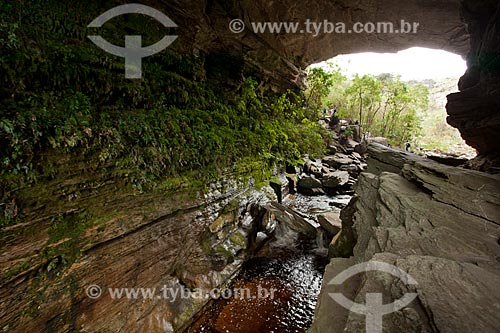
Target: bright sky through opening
412, 64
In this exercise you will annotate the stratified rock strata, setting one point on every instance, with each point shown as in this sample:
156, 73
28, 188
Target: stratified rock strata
438, 223
161, 241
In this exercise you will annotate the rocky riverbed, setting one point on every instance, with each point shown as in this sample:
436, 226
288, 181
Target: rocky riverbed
292, 261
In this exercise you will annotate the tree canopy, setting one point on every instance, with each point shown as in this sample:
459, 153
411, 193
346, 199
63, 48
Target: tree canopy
384, 105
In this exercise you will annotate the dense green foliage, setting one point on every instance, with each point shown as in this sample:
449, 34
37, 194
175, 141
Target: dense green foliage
61, 95
383, 105
386, 106
321, 84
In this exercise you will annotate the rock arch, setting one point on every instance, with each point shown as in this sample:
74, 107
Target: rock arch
466, 27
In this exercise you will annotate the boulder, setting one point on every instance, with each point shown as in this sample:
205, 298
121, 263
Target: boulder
330, 222
350, 144
335, 179
361, 148
313, 168
357, 157
292, 219
337, 160
308, 182
332, 150
352, 169
309, 185
327, 169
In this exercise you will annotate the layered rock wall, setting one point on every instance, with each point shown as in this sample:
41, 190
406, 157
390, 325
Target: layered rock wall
111, 236
438, 223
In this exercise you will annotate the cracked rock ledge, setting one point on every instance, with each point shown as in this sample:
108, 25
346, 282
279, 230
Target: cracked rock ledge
441, 225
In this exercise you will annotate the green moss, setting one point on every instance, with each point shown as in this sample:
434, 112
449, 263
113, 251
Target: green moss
259, 171
67, 226
232, 206
187, 183
64, 237
68, 110
223, 251
238, 239
276, 180
16, 270
221, 223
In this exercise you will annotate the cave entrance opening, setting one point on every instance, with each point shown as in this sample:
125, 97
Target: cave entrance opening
400, 96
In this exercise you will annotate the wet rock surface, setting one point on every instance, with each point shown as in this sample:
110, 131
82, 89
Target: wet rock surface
297, 233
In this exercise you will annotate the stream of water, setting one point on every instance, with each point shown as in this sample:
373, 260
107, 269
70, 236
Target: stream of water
294, 269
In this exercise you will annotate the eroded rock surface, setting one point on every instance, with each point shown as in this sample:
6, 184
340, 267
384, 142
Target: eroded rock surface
475, 109
280, 56
176, 241
438, 223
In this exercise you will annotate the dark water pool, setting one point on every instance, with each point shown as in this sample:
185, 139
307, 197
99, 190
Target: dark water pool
291, 265
296, 278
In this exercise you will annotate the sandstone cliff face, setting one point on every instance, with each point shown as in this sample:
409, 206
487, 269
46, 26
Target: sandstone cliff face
85, 232
438, 223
